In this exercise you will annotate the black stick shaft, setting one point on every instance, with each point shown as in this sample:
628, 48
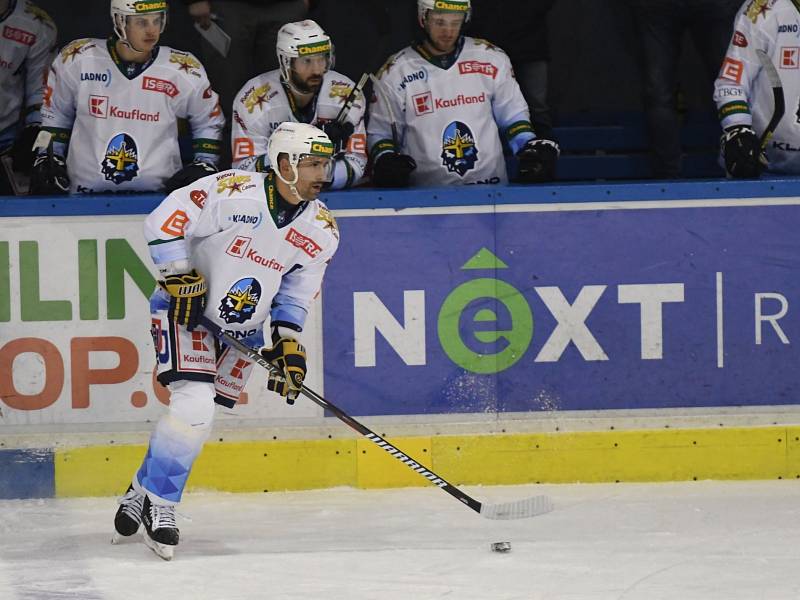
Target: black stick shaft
348, 420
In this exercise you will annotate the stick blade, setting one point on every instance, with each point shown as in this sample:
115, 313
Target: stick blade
519, 509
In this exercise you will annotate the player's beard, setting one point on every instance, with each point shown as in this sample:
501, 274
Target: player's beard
302, 86
438, 47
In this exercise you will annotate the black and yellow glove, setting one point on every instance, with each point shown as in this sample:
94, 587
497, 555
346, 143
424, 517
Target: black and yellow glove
289, 357
187, 298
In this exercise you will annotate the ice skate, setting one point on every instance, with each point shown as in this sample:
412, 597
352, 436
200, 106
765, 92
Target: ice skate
129, 515
160, 531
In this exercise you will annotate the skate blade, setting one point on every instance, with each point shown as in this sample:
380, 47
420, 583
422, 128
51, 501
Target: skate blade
163, 551
118, 538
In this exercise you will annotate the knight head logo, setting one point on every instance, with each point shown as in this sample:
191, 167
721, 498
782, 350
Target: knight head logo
240, 302
459, 152
122, 159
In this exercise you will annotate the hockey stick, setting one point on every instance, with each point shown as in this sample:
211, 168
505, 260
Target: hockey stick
379, 84
521, 509
777, 95
351, 98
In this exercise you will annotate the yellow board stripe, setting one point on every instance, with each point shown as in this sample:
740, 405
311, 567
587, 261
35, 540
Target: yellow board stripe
651, 455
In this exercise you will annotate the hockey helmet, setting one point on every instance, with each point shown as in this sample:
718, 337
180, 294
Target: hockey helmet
122, 9
463, 7
302, 39
297, 141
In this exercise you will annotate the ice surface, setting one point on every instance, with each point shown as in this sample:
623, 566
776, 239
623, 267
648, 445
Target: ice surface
687, 541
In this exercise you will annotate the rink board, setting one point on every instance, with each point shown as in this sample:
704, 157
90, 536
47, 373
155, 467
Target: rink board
655, 455
441, 308
569, 307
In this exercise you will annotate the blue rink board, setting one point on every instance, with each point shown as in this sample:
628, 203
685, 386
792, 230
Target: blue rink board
756, 249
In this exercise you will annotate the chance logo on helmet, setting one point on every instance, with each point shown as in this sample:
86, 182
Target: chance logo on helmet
463, 7
459, 152
121, 163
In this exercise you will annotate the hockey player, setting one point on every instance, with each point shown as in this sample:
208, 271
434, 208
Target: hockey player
303, 89
219, 253
439, 104
743, 92
26, 48
115, 103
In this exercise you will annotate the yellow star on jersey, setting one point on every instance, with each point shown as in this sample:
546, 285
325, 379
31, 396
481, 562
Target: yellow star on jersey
757, 8
232, 183
340, 90
184, 62
73, 49
256, 98
489, 45
329, 222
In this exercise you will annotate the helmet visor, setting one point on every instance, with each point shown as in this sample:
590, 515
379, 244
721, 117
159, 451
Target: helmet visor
314, 167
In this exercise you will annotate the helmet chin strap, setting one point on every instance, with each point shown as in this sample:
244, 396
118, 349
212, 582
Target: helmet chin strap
129, 45
293, 183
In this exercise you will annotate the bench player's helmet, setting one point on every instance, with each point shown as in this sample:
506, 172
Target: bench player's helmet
463, 7
302, 39
122, 9
299, 141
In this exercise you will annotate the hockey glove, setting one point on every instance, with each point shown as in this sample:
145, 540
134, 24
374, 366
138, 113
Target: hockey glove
22, 154
189, 174
49, 175
339, 133
741, 150
392, 170
289, 357
187, 298
537, 161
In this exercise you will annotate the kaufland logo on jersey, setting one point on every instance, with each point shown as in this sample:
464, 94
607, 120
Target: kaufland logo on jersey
426, 103
19, 35
100, 107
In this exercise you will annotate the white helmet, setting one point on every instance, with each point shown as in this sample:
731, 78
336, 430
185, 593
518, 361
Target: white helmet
454, 6
122, 9
297, 140
303, 38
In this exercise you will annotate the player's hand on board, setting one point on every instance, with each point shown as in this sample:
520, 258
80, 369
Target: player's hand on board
392, 170
188, 175
537, 161
741, 150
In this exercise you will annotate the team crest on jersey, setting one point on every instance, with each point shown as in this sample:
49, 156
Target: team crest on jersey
459, 152
328, 222
233, 183
239, 304
121, 163
340, 89
75, 48
256, 97
186, 63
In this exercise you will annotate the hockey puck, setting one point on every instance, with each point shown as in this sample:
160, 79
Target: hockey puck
501, 547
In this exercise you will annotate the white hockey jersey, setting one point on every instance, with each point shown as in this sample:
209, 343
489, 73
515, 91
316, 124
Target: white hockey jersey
123, 133
224, 225
263, 103
742, 91
27, 45
448, 119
